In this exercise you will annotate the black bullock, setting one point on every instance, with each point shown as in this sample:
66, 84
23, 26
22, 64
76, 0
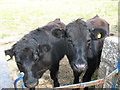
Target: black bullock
95, 47
39, 51
81, 37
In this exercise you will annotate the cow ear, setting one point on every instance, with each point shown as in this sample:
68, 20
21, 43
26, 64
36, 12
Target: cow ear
98, 33
59, 33
9, 52
95, 17
44, 48
57, 19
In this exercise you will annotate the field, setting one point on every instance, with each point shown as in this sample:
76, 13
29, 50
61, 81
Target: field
18, 17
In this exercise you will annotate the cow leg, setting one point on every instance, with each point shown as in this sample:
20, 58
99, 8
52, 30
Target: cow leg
88, 75
92, 66
89, 72
54, 74
76, 76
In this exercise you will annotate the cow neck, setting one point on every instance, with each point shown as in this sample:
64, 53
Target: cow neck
94, 52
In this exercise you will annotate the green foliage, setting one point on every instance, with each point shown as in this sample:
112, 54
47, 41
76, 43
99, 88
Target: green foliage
21, 16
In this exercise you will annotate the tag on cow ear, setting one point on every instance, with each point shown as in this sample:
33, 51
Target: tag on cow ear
59, 33
99, 35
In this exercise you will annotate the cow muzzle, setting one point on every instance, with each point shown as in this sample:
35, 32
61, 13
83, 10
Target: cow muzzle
79, 67
31, 83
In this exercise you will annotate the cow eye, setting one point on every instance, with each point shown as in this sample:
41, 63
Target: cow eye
36, 56
88, 42
36, 59
70, 40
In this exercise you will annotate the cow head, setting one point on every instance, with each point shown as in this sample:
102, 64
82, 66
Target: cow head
78, 35
31, 58
57, 22
97, 24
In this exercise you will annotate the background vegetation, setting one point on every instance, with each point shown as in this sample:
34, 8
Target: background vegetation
18, 17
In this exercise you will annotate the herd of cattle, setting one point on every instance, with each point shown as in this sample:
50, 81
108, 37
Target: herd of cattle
43, 48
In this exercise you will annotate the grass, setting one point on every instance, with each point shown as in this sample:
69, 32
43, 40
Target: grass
18, 17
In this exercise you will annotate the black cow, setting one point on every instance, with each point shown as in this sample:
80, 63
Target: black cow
81, 38
39, 51
95, 47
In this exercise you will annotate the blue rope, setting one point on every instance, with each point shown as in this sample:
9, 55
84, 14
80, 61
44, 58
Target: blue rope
118, 66
22, 86
115, 80
19, 78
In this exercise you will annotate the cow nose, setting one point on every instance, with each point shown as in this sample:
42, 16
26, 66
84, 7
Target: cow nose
31, 83
80, 67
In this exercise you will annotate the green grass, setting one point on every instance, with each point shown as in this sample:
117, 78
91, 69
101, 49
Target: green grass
18, 17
